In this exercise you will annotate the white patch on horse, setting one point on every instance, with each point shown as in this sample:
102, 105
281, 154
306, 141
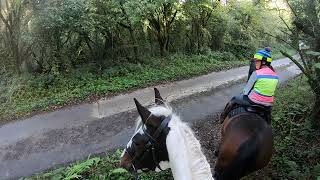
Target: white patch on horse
187, 160
139, 131
186, 157
161, 110
163, 165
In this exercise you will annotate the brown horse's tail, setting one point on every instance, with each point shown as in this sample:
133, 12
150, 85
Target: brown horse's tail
244, 163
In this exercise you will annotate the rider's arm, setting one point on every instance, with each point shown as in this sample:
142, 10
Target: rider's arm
250, 83
252, 68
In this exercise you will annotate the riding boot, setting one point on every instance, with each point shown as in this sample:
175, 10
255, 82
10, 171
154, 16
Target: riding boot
268, 118
226, 111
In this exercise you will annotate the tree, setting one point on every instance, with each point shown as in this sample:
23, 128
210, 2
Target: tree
61, 35
306, 26
15, 17
124, 15
160, 16
65, 30
199, 14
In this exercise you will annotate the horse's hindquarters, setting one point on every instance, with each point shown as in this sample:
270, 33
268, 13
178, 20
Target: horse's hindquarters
266, 149
246, 146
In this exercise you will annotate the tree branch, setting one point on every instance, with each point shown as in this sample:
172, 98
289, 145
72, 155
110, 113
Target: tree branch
5, 21
303, 70
124, 25
285, 23
304, 61
291, 8
296, 63
282, 40
173, 17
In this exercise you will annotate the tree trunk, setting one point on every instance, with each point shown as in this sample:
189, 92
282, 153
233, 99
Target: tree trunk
162, 48
14, 46
198, 40
167, 41
197, 30
133, 41
161, 42
316, 113
16, 56
318, 45
131, 31
87, 40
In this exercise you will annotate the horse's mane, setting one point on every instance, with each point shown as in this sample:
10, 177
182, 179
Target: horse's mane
199, 164
200, 168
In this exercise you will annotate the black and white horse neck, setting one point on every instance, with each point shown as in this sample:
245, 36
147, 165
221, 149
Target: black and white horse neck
186, 158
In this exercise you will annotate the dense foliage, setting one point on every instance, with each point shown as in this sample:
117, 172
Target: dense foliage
57, 52
57, 36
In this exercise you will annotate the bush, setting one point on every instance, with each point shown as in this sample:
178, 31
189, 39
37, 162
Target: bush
223, 56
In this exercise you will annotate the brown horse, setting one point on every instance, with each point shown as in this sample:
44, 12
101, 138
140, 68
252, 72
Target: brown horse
246, 146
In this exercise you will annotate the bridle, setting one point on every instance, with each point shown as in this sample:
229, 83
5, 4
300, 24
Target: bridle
151, 146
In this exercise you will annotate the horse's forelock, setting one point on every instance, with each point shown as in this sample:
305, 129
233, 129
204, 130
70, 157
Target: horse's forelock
161, 110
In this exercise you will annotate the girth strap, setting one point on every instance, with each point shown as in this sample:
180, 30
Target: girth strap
236, 111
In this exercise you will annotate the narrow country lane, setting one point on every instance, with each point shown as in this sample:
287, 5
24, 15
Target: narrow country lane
44, 141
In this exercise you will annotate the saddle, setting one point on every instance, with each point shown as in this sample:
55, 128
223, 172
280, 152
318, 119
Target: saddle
242, 106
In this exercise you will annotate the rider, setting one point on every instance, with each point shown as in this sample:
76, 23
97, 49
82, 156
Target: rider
260, 87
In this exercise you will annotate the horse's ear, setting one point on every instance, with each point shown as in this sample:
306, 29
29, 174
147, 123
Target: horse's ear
143, 112
158, 99
146, 116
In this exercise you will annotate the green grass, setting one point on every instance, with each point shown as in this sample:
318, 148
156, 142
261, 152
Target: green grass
297, 145
98, 168
21, 96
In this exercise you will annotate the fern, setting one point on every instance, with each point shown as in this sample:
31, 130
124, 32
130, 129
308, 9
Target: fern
74, 172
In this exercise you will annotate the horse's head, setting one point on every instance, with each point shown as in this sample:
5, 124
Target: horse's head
147, 147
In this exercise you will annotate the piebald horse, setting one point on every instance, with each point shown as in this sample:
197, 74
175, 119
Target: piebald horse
246, 146
162, 141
